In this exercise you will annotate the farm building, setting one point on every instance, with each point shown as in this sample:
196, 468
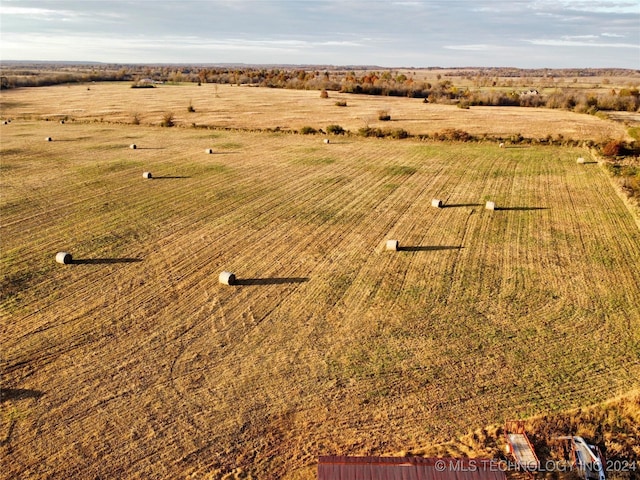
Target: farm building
408, 468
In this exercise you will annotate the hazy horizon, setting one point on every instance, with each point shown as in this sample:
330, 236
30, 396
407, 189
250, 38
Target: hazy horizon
418, 34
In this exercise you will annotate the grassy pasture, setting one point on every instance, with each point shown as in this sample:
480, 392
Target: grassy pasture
135, 363
262, 108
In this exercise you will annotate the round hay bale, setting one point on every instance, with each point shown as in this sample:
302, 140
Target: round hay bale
64, 258
61, 122
580, 160
209, 151
147, 175
48, 139
326, 140
436, 203
133, 146
5, 122
392, 245
490, 206
227, 278
501, 145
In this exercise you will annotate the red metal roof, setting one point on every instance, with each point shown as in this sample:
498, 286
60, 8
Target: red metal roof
408, 468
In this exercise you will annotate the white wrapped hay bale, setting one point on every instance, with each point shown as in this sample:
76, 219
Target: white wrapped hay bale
147, 175
64, 258
490, 205
392, 245
133, 146
48, 139
436, 203
580, 160
209, 151
227, 278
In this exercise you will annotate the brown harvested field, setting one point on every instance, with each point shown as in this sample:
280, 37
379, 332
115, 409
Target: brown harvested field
263, 108
134, 362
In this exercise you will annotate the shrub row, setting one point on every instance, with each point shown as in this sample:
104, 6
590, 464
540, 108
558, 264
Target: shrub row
456, 135
397, 133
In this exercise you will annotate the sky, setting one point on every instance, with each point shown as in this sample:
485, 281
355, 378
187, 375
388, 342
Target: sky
394, 34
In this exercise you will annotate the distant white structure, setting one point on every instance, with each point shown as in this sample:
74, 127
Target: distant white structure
530, 93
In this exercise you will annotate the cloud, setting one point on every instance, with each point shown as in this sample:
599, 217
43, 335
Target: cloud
407, 4
181, 48
577, 43
337, 43
35, 15
40, 13
470, 48
285, 44
409, 32
601, 6
578, 37
586, 6
28, 11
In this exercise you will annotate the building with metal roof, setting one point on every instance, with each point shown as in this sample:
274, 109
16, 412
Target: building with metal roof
408, 468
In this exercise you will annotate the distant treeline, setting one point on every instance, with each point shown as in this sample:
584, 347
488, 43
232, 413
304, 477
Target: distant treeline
35, 78
490, 87
388, 83
625, 99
